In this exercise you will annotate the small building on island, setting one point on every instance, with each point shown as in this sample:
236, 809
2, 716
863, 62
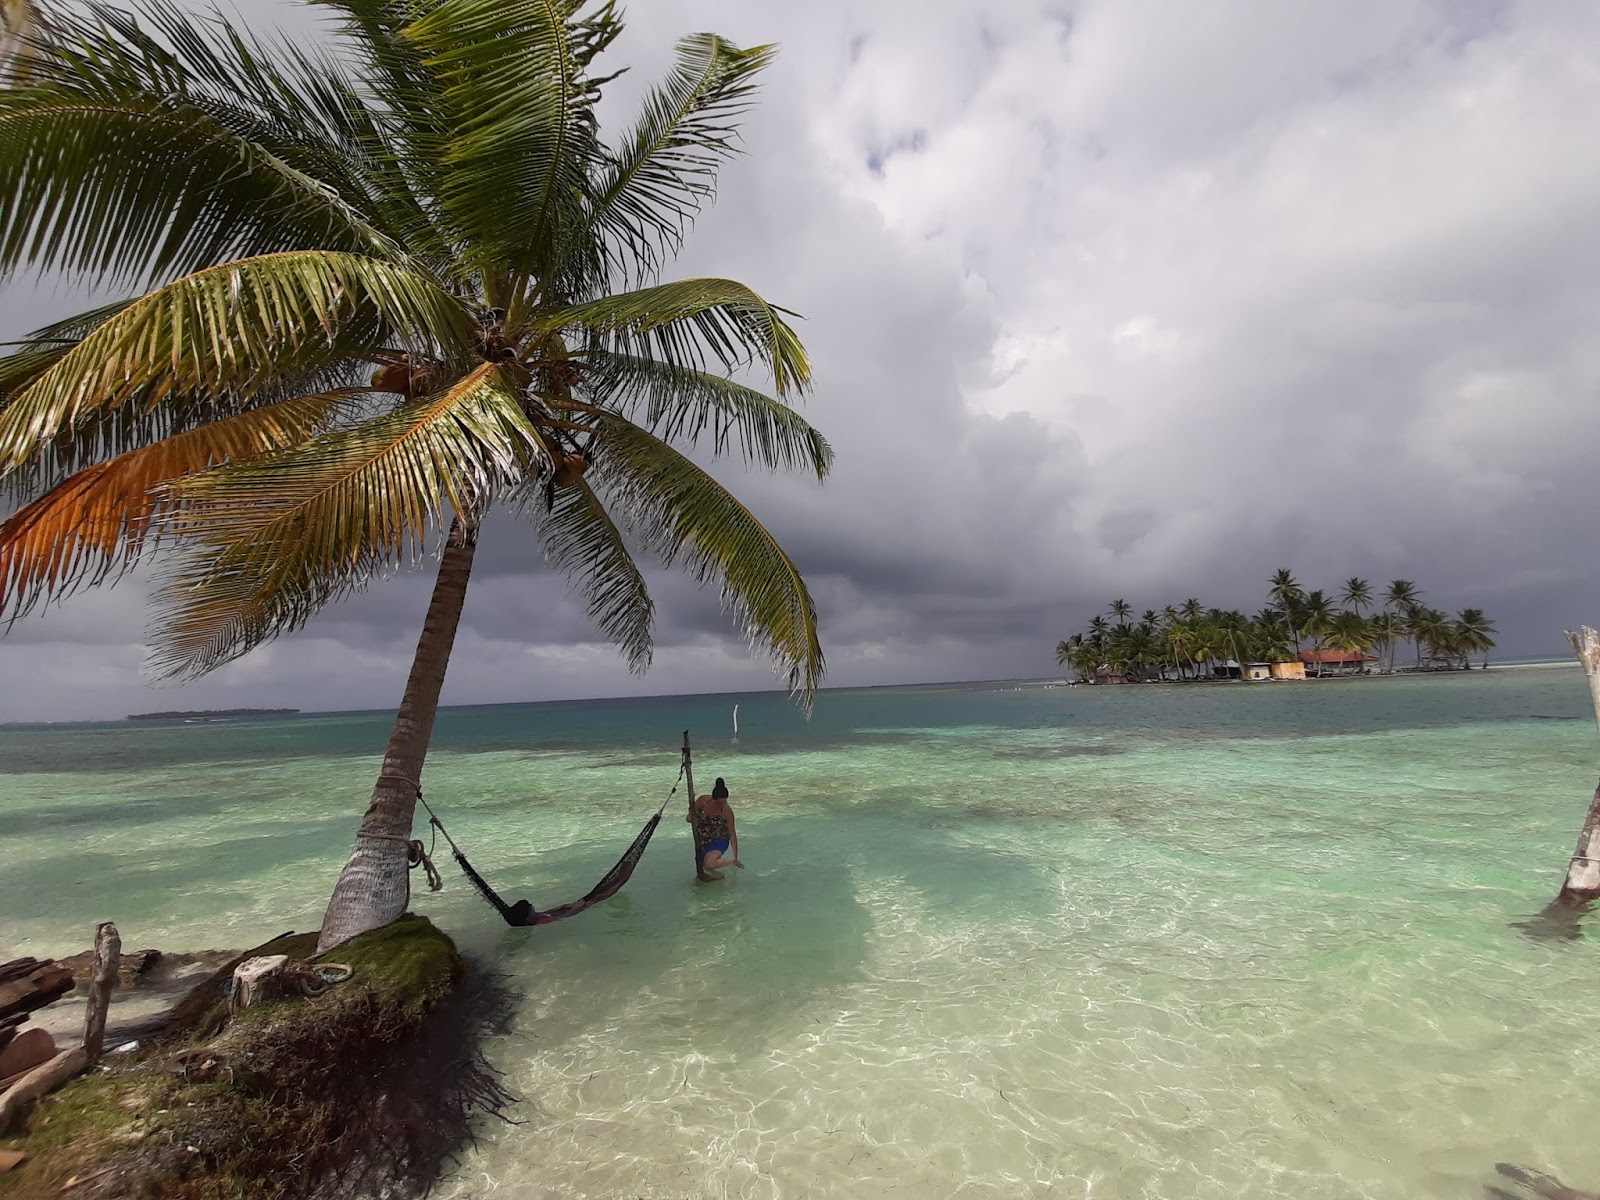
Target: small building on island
1335, 662
1258, 671
1288, 670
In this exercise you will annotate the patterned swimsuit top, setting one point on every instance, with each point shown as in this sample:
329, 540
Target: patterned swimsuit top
709, 825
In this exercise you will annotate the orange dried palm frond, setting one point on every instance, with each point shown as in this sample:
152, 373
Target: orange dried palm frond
98, 523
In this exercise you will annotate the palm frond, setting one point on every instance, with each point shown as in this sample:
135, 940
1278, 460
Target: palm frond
667, 166
225, 333
690, 321
687, 518
43, 348
676, 402
275, 539
140, 150
582, 541
98, 523
518, 134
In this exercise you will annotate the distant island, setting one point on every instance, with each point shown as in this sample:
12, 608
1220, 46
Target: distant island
1191, 642
208, 713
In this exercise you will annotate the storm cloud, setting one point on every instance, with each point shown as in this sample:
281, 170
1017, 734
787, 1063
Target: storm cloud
1115, 298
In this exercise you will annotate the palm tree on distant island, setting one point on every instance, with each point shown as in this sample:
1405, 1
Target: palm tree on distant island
1188, 640
382, 294
1475, 632
1357, 594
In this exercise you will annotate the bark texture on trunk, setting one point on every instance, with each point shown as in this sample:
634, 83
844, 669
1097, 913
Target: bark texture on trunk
107, 958
375, 886
1582, 885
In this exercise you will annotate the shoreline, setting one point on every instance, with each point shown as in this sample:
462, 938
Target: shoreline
373, 1086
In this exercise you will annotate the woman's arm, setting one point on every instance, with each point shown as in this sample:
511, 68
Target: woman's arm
733, 835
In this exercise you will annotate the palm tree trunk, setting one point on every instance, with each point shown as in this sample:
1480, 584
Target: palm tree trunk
375, 887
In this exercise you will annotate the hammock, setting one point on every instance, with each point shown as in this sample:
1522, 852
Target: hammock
522, 913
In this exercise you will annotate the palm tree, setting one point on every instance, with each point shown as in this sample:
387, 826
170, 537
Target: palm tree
1428, 627
434, 209
1475, 633
1350, 633
1121, 610
1070, 652
1285, 592
1400, 595
1357, 594
1316, 615
1401, 598
1387, 629
1283, 588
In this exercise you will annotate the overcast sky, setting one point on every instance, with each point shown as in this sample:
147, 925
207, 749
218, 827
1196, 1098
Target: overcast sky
1105, 299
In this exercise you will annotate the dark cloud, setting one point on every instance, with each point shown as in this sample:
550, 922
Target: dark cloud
1102, 302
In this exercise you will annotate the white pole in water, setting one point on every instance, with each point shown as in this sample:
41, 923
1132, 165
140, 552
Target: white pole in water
736, 722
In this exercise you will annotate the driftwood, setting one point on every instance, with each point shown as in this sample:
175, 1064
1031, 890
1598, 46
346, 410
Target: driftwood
29, 984
40, 1081
8, 1028
27, 1050
18, 967
107, 957
1582, 884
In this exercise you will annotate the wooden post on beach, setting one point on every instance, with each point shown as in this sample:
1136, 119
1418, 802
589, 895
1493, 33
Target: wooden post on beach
688, 779
1583, 873
107, 958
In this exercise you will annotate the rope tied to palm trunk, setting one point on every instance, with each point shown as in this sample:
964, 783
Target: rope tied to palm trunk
417, 855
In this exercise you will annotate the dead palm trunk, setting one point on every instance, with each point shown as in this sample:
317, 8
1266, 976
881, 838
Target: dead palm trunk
375, 886
1582, 884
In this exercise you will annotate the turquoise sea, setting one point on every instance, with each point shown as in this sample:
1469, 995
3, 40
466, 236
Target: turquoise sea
994, 940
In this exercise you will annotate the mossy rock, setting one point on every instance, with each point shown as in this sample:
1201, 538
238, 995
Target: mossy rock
326, 1084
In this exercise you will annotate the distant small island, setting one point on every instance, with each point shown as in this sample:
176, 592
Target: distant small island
208, 713
1191, 642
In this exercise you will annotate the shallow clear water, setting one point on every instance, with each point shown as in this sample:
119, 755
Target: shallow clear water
992, 942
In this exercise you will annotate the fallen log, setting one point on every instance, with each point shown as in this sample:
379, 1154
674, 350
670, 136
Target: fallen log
43, 983
38, 1082
17, 968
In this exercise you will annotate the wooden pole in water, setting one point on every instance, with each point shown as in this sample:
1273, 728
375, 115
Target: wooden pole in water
1583, 873
694, 836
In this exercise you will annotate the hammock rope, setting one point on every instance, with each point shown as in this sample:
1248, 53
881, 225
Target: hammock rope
522, 913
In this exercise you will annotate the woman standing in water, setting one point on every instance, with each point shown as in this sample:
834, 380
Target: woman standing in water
711, 817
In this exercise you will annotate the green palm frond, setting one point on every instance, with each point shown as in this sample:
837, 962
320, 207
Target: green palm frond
687, 518
140, 151
692, 320
41, 350
516, 136
226, 333
676, 402
99, 522
580, 539
667, 167
275, 539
